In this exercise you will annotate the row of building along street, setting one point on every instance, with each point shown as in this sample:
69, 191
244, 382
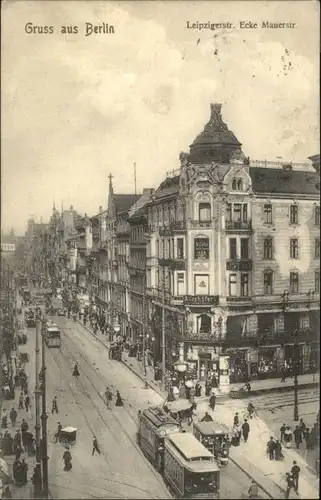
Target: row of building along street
205, 287
221, 260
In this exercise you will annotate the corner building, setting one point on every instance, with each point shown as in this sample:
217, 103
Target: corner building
233, 252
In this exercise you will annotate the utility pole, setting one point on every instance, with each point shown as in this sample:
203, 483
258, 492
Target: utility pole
38, 482
163, 339
44, 415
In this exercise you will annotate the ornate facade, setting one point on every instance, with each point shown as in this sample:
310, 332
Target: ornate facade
233, 253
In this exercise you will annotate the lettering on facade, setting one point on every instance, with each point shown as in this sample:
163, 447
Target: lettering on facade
201, 300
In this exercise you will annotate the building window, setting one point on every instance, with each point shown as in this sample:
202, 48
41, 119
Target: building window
180, 248
244, 285
244, 248
229, 212
244, 209
180, 284
294, 282
294, 214
204, 212
237, 185
267, 210
237, 212
294, 248
204, 323
317, 248
268, 283
201, 284
232, 248
317, 281
232, 285
317, 215
201, 249
268, 248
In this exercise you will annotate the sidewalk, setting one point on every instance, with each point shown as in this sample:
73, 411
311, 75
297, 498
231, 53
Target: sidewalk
269, 475
25, 491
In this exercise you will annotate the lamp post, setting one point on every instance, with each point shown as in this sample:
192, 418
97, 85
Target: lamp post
44, 416
38, 479
296, 362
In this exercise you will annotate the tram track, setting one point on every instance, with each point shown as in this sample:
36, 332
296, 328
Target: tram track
103, 381
67, 354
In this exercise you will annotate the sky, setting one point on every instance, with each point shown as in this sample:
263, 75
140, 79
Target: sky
76, 108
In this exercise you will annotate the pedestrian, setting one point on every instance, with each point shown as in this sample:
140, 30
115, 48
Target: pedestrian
245, 430
24, 472
295, 471
17, 440
24, 426
302, 425
282, 429
236, 419
95, 446
75, 373
284, 373
207, 418
253, 490
13, 416
67, 460
54, 407
212, 401
308, 439
297, 436
289, 484
21, 401
119, 401
271, 448
278, 455
27, 402
109, 398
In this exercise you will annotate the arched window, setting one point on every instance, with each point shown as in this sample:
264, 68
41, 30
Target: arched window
240, 185
204, 212
234, 185
204, 323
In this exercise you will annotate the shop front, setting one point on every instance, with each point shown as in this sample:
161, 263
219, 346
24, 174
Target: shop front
270, 361
202, 361
239, 365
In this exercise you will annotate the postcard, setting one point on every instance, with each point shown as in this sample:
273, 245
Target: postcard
160, 249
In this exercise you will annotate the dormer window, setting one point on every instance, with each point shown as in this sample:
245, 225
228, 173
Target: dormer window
237, 184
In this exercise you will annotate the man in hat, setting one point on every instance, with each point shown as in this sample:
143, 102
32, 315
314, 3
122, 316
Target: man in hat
95, 446
54, 407
245, 430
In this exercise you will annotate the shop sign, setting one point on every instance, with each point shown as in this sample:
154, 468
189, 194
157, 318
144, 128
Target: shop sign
252, 356
201, 300
224, 363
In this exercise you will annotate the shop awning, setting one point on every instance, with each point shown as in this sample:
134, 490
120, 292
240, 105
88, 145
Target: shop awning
273, 346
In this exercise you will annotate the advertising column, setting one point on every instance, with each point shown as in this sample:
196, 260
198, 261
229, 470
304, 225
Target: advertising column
224, 374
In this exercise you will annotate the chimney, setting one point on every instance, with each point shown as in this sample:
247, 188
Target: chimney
100, 209
71, 208
148, 191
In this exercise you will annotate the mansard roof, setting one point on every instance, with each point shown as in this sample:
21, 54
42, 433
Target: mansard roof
123, 202
169, 187
276, 180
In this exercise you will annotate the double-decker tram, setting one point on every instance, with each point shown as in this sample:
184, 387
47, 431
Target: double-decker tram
190, 470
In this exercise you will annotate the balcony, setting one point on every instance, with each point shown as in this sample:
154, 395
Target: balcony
233, 225
239, 265
258, 339
168, 228
239, 301
201, 224
178, 264
201, 300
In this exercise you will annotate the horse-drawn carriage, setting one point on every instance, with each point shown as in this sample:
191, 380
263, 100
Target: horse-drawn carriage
67, 436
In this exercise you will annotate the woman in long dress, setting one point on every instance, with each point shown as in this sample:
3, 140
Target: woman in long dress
75, 373
119, 401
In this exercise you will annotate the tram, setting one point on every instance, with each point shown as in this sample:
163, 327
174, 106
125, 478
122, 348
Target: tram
52, 335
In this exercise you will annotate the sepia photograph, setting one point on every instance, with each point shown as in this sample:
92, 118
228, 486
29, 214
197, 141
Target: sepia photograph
160, 249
